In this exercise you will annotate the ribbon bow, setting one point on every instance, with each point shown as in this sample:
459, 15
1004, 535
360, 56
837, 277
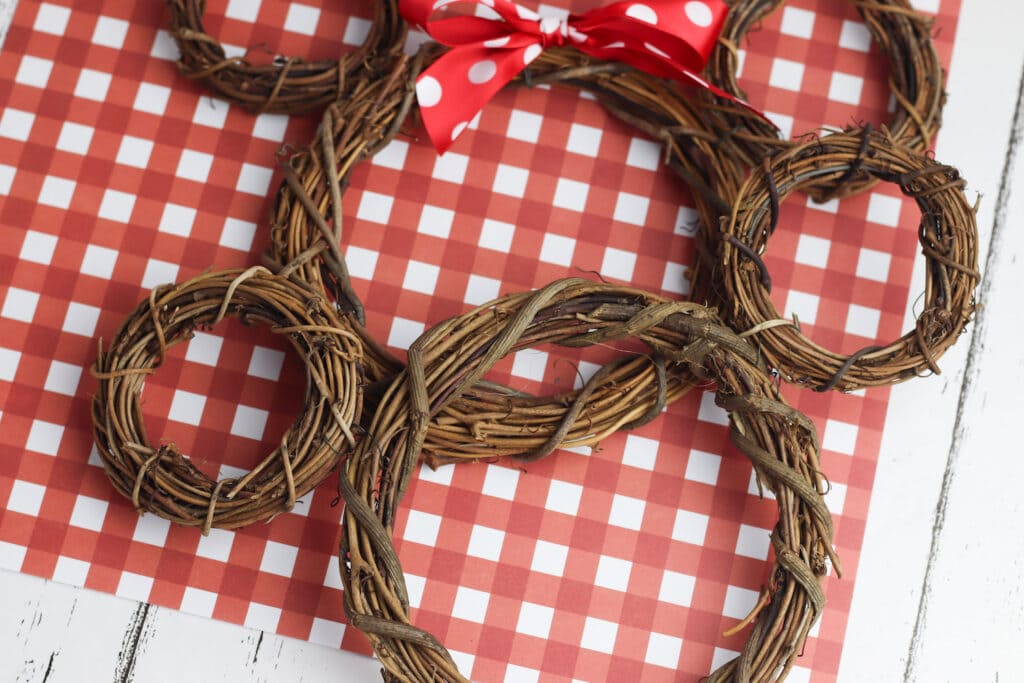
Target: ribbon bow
666, 38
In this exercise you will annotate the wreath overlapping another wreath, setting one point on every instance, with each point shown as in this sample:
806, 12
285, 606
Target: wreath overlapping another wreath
947, 234
730, 272
916, 81
435, 408
305, 238
438, 407
780, 442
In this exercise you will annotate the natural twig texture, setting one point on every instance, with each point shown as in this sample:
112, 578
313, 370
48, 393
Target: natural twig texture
489, 421
949, 242
441, 410
915, 79
160, 479
287, 84
447, 361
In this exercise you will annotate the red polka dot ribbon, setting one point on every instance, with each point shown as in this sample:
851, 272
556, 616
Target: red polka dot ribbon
666, 38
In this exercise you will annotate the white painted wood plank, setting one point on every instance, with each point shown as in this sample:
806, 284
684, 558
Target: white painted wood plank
54, 632
971, 626
919, 426
217, 651
6, 15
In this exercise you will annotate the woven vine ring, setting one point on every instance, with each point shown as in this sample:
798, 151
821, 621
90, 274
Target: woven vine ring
307, 216
288, 84
489, 421
158, 478
449, 358
947, 233
915, 79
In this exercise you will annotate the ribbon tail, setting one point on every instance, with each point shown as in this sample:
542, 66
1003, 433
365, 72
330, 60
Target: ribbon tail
718, 92
458, 85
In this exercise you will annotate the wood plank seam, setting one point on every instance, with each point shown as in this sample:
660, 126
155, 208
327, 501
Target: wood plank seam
125, 670
968, 389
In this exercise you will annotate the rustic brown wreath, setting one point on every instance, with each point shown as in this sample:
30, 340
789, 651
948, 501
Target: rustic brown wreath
947, 233
439, 407
160, 479
449, 358
491, 421
915, 79
289, 84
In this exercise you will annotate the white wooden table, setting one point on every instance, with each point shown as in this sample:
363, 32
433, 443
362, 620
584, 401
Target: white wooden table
940, 588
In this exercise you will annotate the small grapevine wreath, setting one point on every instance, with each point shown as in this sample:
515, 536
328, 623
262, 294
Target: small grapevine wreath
449, 358
949, 242
158, 478
915, 80
490, 421
288, 84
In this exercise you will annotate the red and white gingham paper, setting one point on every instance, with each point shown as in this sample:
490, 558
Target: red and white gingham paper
116, 174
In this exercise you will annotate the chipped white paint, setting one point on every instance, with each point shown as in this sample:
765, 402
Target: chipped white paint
916, 446
53, 632
224, 652
946, 517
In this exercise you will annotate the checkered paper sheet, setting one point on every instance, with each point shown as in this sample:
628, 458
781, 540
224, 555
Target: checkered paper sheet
625, 562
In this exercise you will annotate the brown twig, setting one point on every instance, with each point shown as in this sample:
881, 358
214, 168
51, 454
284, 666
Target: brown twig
162, 480
444, 365
949, 242
288, 85
916, 80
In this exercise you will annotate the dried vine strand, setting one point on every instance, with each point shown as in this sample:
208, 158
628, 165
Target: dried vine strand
288, 84
916, 80
447, 360
159, 478
489, 421
949, 243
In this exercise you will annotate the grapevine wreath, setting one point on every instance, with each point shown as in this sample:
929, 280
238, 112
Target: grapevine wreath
304, 242
162, 480
380, 418
459, 419
447, 359
730, 271
915, 80
287, 85
947, 233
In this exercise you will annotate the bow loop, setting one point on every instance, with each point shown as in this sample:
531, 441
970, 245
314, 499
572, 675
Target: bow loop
554, 32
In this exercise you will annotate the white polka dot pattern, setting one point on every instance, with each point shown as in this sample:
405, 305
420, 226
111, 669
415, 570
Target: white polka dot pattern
428, 91
668, 38
532, 52
699, 13
482, 71
643, 13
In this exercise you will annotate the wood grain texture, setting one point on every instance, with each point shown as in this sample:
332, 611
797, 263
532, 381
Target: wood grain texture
218, 651
977, 560
946, 516
918, 437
